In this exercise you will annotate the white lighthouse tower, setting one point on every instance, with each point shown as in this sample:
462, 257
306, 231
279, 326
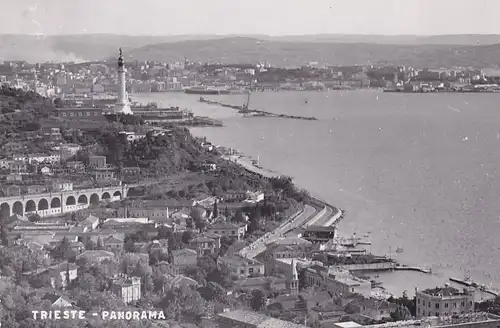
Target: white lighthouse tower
122, 105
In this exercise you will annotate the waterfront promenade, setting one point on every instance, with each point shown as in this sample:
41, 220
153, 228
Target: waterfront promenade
259, 245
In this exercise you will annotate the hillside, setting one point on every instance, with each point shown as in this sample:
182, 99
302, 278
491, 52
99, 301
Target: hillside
87, 47
249, 50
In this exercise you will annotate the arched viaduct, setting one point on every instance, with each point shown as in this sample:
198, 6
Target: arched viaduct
47, 204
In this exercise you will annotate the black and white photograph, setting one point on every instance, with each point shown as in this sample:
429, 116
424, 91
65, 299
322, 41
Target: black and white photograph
249, 164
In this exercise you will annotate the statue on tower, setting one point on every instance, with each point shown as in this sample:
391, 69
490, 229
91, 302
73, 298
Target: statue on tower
120, 59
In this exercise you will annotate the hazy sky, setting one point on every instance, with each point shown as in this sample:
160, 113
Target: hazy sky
272, 17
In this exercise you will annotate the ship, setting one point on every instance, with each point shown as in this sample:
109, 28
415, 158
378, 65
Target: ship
201, 91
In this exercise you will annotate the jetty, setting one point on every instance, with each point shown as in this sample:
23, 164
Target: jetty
412, 268
243, 109
469, 283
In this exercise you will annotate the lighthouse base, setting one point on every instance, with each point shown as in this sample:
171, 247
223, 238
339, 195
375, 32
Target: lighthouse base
123, 109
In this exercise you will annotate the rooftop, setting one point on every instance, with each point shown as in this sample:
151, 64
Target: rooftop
257, 319
441, 322
443, 291
239, 261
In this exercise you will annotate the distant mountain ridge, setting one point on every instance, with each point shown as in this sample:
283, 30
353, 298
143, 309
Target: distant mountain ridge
431, 51
247, 50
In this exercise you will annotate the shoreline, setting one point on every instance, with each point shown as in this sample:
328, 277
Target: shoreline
395, 284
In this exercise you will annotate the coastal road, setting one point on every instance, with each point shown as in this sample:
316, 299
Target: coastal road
324, 220
259, 245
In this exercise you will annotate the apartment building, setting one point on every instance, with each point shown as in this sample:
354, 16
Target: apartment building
442, 302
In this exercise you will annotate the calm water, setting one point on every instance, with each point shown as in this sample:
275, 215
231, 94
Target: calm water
419, 171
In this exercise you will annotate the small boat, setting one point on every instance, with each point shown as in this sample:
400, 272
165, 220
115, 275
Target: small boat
399, 250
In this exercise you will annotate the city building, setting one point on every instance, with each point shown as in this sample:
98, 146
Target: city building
183, 259
241, 266
97, 162
250, 319
127, 288
337, 281
319, 234
443, 302
227, 229
203, 245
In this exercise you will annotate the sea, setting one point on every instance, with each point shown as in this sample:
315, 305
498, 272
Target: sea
418, 172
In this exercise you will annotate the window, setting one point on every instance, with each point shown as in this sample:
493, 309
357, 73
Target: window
418, 301
437, 314
454, 304
250, 270
437, 305
423, 302
242, 271
462, 304
445, 305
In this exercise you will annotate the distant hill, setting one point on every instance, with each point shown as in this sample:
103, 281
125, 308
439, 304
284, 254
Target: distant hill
83, 47
432, 51
248, 50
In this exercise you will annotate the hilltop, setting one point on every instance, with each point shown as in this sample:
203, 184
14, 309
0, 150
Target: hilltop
251, 50
434, 51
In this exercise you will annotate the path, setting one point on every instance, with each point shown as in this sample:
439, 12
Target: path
259, 245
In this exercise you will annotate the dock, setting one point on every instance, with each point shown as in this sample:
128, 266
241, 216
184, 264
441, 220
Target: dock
469, 283
413, 268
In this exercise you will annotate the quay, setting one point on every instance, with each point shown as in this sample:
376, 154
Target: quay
469, 283
254, 112
412, 268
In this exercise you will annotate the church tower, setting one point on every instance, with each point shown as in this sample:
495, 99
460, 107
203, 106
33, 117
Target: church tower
122, 105
293, 280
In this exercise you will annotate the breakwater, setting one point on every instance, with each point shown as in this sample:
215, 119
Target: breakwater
256, 113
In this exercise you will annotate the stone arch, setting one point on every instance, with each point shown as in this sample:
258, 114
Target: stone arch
70, 201
117, 194
4, 211
17, 208
82, 199
43, 204
55, 202
30, 206
106, 195
94, 199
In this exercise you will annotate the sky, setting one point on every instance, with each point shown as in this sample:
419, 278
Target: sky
271, 17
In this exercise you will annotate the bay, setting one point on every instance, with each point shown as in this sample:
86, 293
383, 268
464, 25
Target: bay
418, 171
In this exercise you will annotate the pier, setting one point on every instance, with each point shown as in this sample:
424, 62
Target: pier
413, 268
469, 283
256, 113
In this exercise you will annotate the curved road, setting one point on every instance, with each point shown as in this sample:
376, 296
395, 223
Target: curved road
259, 245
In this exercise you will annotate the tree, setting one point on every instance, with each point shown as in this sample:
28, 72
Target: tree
405, 301
200, 224
197, 213
183, 302
34, 217
3, 236
215, 212
164, 233
63, 250
258, 300
129, 244
100, 244
68, 280
187, 236
239, 216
